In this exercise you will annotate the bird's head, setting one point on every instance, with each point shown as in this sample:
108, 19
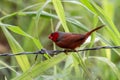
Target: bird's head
54, 36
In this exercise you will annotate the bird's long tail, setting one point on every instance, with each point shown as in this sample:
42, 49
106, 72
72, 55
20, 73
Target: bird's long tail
90, 32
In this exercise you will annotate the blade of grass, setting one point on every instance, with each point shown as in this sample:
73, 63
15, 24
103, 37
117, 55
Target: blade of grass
113, 31
60, 12
15, 46
17, 30
87, 5
41, 67
109, 63
104, 18
7, 66
108, 6
38, 16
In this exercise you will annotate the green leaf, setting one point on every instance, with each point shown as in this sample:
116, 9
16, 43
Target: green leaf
39, 68
109, 63
7, 66
15, 46
17, 30
60, 12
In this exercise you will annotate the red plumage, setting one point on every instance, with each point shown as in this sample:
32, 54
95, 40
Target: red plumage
70, 40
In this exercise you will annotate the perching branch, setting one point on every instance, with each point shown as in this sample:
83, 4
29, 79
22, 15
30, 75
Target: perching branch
55, 52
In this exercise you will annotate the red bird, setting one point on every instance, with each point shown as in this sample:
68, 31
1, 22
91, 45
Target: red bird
70, 40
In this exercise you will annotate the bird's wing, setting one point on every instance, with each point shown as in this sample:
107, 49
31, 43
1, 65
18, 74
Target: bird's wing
71, 41
74, 37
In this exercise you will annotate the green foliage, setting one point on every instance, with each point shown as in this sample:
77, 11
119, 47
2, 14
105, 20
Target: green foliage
27, 24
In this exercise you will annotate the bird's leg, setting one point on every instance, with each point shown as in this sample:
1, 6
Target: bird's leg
75, 51
66, 51
70, 50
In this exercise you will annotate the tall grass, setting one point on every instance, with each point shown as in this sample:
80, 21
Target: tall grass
27, 27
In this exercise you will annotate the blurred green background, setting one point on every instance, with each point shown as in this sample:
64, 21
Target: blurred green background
26, 24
